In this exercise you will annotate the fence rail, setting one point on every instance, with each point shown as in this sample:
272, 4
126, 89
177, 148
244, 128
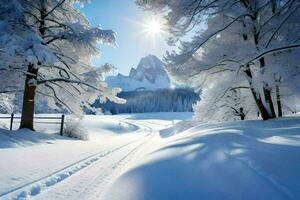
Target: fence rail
61, 121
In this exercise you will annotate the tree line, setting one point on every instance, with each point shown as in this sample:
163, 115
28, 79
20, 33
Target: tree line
162, 100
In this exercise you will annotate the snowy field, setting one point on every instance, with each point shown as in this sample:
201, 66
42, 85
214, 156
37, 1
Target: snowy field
37, 164
154, 156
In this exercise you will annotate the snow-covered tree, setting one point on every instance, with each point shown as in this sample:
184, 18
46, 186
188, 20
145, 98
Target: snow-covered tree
244, 45
45, 50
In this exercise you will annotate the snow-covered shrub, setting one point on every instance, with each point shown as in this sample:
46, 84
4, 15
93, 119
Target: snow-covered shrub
74, 129
3, 125
6, 103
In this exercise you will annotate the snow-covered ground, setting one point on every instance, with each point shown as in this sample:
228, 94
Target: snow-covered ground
143, 156
240, 160
47, 166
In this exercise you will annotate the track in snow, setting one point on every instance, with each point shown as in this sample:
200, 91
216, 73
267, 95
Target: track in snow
91, 174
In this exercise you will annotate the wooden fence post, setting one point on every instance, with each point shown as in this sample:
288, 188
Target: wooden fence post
11, 121
62, 124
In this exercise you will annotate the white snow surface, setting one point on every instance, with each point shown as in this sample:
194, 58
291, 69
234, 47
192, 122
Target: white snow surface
239, 160
47, 166
154, 156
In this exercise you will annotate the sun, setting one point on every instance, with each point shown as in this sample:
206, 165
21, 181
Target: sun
154, 27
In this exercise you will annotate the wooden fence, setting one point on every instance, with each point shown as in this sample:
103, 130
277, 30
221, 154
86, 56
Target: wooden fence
60, 121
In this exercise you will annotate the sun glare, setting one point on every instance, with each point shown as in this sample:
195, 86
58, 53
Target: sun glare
151, 28
154, 27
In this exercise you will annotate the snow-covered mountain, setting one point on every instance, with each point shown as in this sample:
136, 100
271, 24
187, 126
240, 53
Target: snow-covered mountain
149, 75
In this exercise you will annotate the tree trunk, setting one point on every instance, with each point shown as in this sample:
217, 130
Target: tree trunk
269, 102
267, 92
279, 107
30, 87
242, 114
263, 111
28, 99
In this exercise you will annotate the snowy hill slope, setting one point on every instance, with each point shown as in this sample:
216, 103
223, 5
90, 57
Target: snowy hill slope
149, 75
231, 161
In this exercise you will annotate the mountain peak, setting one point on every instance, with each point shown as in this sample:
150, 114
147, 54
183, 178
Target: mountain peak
149, 68
149, 75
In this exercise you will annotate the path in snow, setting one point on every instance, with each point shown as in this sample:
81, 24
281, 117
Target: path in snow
89, 175
91, 182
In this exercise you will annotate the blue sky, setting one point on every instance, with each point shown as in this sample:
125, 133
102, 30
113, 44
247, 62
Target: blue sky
123, 16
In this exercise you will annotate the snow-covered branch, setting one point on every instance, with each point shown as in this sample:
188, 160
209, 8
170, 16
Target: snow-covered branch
50, 45
68, 81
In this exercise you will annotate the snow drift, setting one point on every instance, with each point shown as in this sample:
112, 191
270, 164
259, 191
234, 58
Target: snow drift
238, 160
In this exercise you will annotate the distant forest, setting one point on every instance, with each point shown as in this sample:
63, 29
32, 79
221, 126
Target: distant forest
163, 100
